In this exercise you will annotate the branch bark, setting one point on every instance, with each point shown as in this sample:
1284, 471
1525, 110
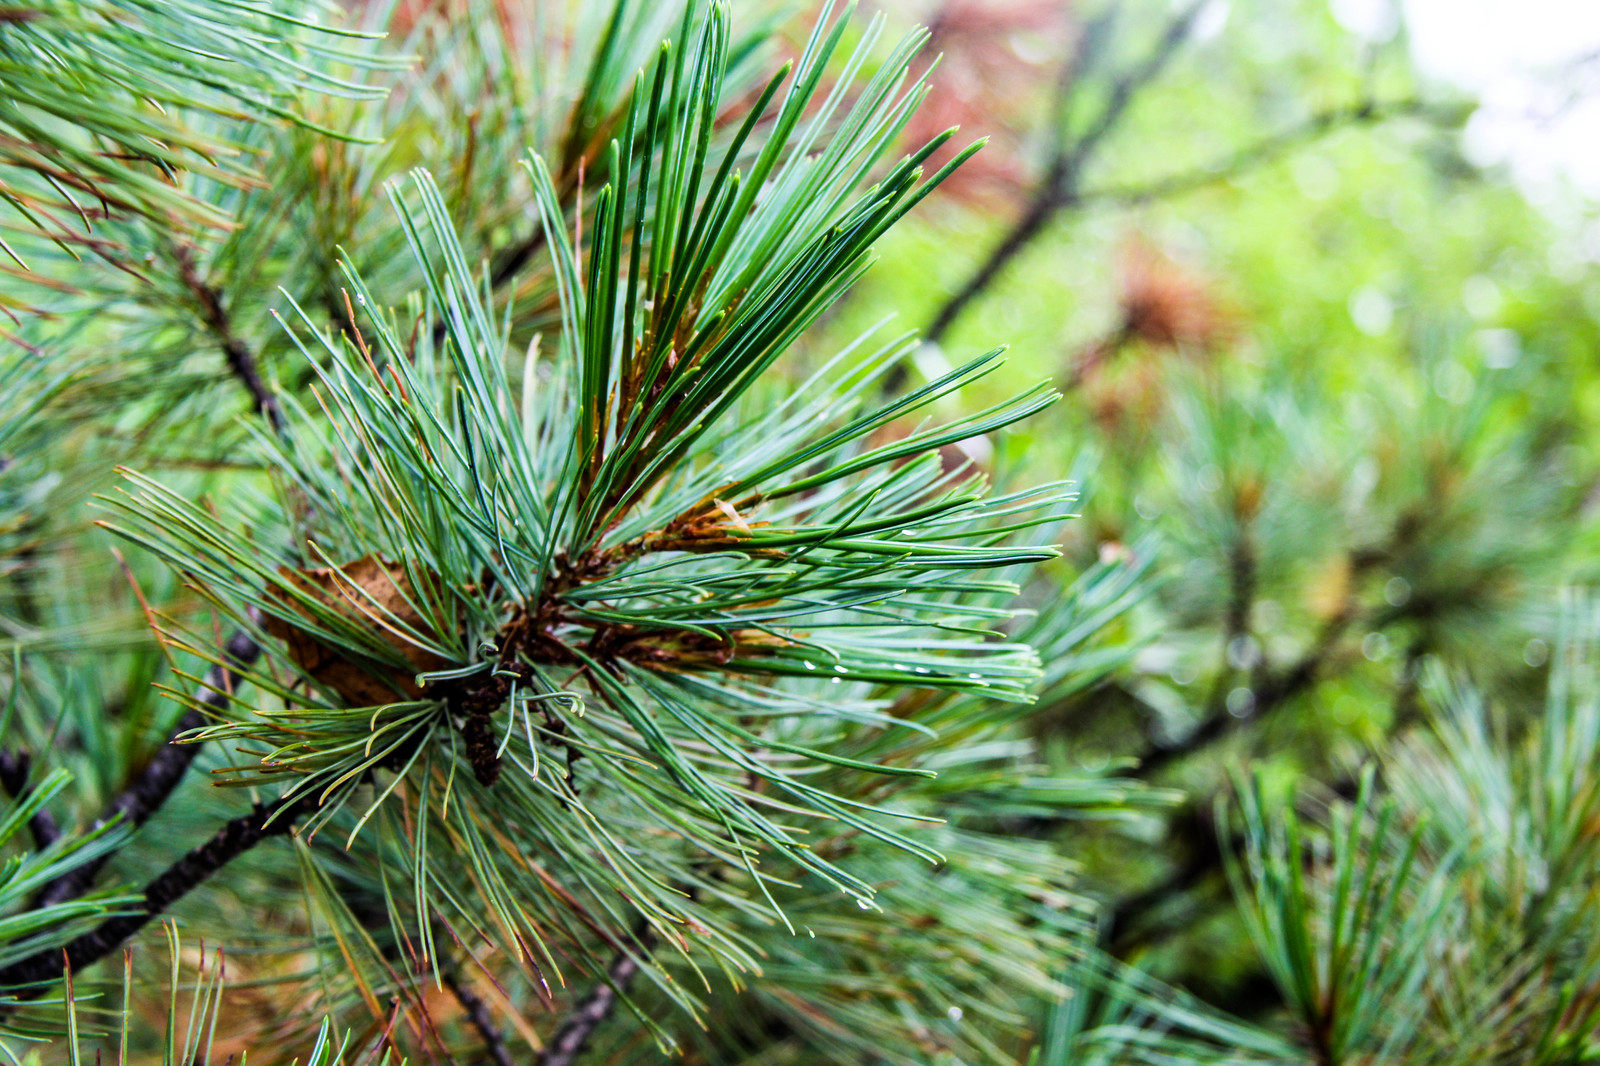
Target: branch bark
146, 794
241, 360
1059, 188
592, 1011
1270, 693
1259, 154
478, 1013
232, 840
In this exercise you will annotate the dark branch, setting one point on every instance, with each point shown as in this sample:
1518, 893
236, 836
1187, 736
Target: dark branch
1135, 920
1059, 187
1126, 88
1256, 155
1040, 211
590, 1012
240, 359
1272, 692
478, 1014
515, 258
1242, 580
232, 840
145, 795
14, 769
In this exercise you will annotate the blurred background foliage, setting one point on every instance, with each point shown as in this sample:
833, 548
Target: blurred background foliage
1331, 399
1340, 373
1339, 370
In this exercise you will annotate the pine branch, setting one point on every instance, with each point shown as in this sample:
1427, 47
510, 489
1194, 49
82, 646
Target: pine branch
1265, 151
647, 569
150, 790
241, 360
1127, 920
1271, 691
1269, 694
477, 1011
1126, 917
232, 840
128, 93
370, 914
591, 1012
1059, 188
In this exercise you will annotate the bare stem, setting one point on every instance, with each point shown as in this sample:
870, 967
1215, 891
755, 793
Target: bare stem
147, 792
591, 1012
241, 360
478, 1014
1060, 186
232, 840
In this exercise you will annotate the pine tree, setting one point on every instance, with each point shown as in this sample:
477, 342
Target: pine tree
566, 656
450, 588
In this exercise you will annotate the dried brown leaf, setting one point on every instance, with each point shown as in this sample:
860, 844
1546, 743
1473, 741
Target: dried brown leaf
385, 598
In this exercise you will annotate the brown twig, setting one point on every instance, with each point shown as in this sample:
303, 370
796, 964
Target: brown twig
1059, 188
589, 1013
477, 1011
1254, 156
232, 840
241, 360
1270, 693
147, 792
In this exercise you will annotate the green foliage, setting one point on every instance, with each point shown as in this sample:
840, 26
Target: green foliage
1351, 934
26, 931
1113, 1014
568, 553
108, 102
525, 500
189, 1036
595, 638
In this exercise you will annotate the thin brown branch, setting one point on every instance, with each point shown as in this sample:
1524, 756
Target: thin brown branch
151, 788
1091, 42
1264, 151
1270, 693
477, 1011
1059, 187
235, 838
1126, 88
1273, 690
1041, 209
589, 1013
241, 360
